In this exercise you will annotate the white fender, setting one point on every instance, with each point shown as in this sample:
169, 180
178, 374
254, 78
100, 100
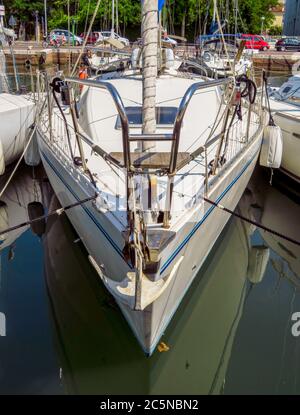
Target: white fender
257, 264
4, 222
32, 155
2, 161
272, 147
135, 63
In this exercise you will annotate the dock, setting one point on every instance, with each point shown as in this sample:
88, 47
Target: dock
32, 53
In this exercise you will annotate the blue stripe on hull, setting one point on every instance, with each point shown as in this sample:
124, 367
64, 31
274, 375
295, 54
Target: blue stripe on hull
187, 238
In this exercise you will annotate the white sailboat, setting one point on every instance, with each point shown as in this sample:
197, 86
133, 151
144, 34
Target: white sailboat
89, 333
149, 147
285, 105
17, 115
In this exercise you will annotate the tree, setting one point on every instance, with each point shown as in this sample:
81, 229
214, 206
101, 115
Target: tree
275, 31
186, 17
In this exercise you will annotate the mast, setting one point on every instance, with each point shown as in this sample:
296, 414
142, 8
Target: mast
214, 14
236, 8
113, 17
117, 17
46, 20
150, 38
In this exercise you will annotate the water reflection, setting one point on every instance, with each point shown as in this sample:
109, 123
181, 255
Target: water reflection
231, 334
27, 360
97, 351
265, 356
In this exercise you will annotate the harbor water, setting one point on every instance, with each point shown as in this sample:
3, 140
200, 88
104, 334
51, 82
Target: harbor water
231, 334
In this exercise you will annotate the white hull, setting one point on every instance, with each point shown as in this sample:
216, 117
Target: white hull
17, 114
290, 127
184, 255
287, 116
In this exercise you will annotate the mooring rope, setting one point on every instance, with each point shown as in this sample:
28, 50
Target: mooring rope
252, 222
86, 38
218, 205
58, 212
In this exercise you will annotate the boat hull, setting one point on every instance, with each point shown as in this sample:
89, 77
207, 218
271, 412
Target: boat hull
186, 253
290, 127
17, 114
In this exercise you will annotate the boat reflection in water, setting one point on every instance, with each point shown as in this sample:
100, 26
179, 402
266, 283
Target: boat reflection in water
266, 355
26, 362
22, 200
99, 354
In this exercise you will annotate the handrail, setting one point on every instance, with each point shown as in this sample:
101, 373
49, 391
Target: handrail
182, 110
120, 107
127, 138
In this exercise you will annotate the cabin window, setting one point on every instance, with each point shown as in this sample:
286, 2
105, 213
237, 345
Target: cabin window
286, 89
165, 116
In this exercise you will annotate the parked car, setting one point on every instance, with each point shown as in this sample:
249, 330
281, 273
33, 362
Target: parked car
288, 43
255, 42
108, 35
93, 37
68, 36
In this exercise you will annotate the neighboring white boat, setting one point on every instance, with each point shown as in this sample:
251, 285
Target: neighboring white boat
285, 105
220, 62
106, 60
17, 115
220, 67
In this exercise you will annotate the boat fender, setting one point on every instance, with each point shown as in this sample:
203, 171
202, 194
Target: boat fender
257, 264
82, 75
35, 210
169, 58
2, 160
272, 147
4, 222
135, 55
32, 156
65, 95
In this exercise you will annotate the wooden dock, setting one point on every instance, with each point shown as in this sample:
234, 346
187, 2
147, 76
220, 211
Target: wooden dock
274, 62
32, 53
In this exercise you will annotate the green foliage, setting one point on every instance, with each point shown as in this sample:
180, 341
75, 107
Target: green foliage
182, 16
275, 31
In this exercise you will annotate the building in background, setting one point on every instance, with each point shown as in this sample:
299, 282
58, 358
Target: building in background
292, 18
278, 12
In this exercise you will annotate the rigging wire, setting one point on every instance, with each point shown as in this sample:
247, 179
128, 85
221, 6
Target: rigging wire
86, 37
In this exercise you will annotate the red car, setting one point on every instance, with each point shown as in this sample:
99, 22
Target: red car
92, 38
255, 42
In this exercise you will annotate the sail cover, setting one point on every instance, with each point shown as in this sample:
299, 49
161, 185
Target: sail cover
160, 4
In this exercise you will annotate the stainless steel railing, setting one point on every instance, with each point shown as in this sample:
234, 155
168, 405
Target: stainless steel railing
127, 137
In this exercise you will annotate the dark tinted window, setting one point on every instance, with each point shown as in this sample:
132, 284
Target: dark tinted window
164, 116
287, 89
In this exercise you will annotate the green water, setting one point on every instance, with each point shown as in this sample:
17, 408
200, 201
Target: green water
231, 334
